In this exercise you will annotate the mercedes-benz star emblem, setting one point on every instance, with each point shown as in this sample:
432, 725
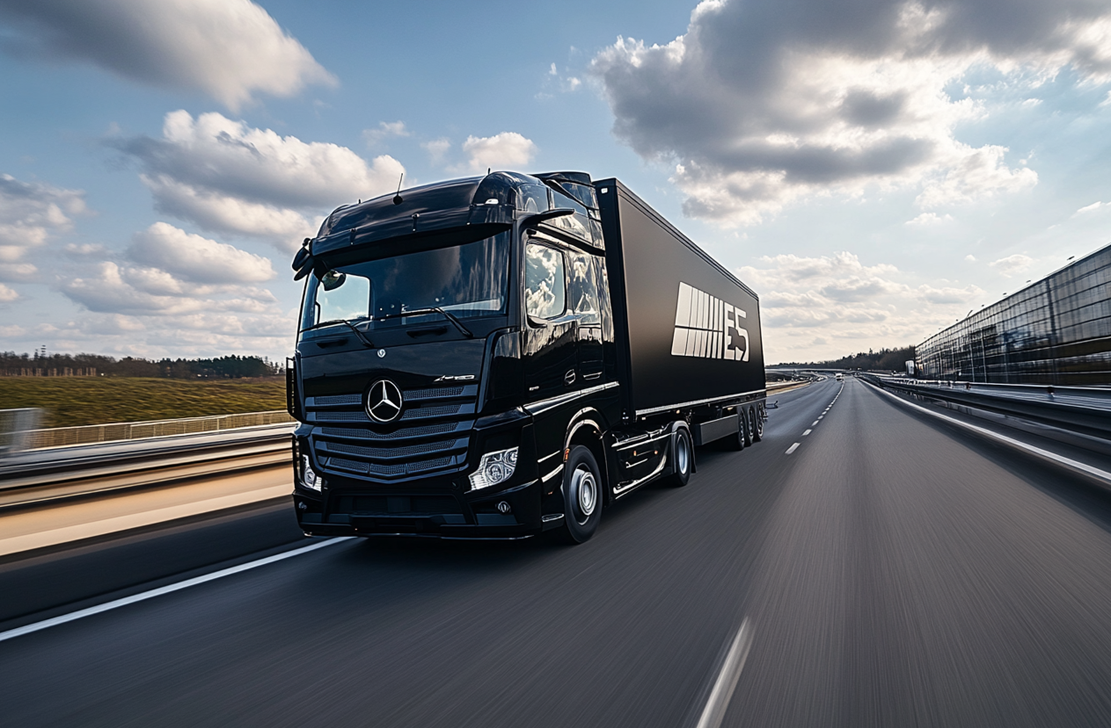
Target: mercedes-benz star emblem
383, 401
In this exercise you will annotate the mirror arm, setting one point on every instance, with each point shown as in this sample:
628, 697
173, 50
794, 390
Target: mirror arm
540, 217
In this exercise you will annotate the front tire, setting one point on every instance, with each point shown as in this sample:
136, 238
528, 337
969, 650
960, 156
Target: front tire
582, 495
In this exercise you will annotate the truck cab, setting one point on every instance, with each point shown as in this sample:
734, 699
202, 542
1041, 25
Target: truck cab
442, 329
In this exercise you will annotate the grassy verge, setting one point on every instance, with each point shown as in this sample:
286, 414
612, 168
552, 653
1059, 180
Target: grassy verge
97, 400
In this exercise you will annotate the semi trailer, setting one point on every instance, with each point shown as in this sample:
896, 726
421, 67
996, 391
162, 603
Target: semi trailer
503, 355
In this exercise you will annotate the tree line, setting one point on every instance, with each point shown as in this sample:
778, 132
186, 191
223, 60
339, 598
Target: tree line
883, 360
224, 367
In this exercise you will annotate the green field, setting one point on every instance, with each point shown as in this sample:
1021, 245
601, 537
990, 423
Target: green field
98, 400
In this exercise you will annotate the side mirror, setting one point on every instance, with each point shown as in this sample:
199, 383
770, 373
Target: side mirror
332, 280
302, 261
539, 217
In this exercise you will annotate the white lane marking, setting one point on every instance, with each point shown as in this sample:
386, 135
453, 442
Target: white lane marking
807, 433
117, 603
814, 423
1059, 459
792, 448
820, 417
726, 682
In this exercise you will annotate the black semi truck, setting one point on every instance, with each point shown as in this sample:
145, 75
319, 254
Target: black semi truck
503, 355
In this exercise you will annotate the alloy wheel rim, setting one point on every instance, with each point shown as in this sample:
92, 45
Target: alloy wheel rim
586, 492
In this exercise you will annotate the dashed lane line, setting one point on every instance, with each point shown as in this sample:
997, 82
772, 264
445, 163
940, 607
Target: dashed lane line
792, 448
714, 711
807, 433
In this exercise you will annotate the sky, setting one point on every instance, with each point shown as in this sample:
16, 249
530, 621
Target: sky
874, 170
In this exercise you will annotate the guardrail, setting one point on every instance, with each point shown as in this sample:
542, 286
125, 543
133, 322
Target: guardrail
1077, 409
15, 425
52, 475
34, 439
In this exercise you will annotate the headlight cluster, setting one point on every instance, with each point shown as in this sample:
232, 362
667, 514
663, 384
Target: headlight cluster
309, 478
495, 467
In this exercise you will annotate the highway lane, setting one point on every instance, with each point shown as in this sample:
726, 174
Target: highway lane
891, 574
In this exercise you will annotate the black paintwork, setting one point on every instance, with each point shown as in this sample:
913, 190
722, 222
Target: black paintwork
539, 386
647, 259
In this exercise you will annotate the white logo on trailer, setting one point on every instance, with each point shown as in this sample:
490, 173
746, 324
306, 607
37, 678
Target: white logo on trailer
708, 327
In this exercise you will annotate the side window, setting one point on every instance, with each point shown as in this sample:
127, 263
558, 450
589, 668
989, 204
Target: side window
545, 287
582, 290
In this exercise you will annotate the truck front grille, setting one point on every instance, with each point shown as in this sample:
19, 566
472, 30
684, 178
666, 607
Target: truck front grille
348, 442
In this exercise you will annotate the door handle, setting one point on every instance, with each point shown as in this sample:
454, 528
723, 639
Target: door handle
569, 377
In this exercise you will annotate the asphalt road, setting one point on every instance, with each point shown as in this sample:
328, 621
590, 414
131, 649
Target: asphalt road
892, 572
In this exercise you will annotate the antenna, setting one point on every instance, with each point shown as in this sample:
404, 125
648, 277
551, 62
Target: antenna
397, 197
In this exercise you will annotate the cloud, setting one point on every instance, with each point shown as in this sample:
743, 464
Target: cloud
508, 150
85, 250
7, 295
30, 212
841, 300
226, 176
558, 82
975, 174
436, 149
227, 49
807, 291
211, 333
167, 272
948, 294
385, 130
1090, 208
212, 210
1012, 264
927, 219
197, 259
970, 258
150, 292
764, 103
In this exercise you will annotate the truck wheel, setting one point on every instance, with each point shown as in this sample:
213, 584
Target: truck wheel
582, 495
748, 423
738, 440
757, 426
682, 451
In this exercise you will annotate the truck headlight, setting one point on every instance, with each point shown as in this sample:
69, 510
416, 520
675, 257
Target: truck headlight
495, 467
309, 478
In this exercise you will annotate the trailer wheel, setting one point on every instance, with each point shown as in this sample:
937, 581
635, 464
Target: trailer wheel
748, 428
757, 425
582, 495
737, 441
682, 451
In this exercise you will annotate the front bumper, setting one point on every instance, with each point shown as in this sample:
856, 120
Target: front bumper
433, 510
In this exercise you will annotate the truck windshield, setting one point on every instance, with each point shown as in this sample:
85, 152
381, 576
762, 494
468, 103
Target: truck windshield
465, 280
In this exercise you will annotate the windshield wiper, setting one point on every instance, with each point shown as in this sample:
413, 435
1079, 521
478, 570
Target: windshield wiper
433, 309
362, 337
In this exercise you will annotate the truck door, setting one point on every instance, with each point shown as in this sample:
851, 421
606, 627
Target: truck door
582, 289
549, 351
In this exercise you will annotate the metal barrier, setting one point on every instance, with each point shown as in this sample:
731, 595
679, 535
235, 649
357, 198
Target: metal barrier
1077, 409
15, 427
30, 438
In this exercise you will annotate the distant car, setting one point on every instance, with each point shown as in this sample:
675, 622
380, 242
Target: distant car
840, 377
